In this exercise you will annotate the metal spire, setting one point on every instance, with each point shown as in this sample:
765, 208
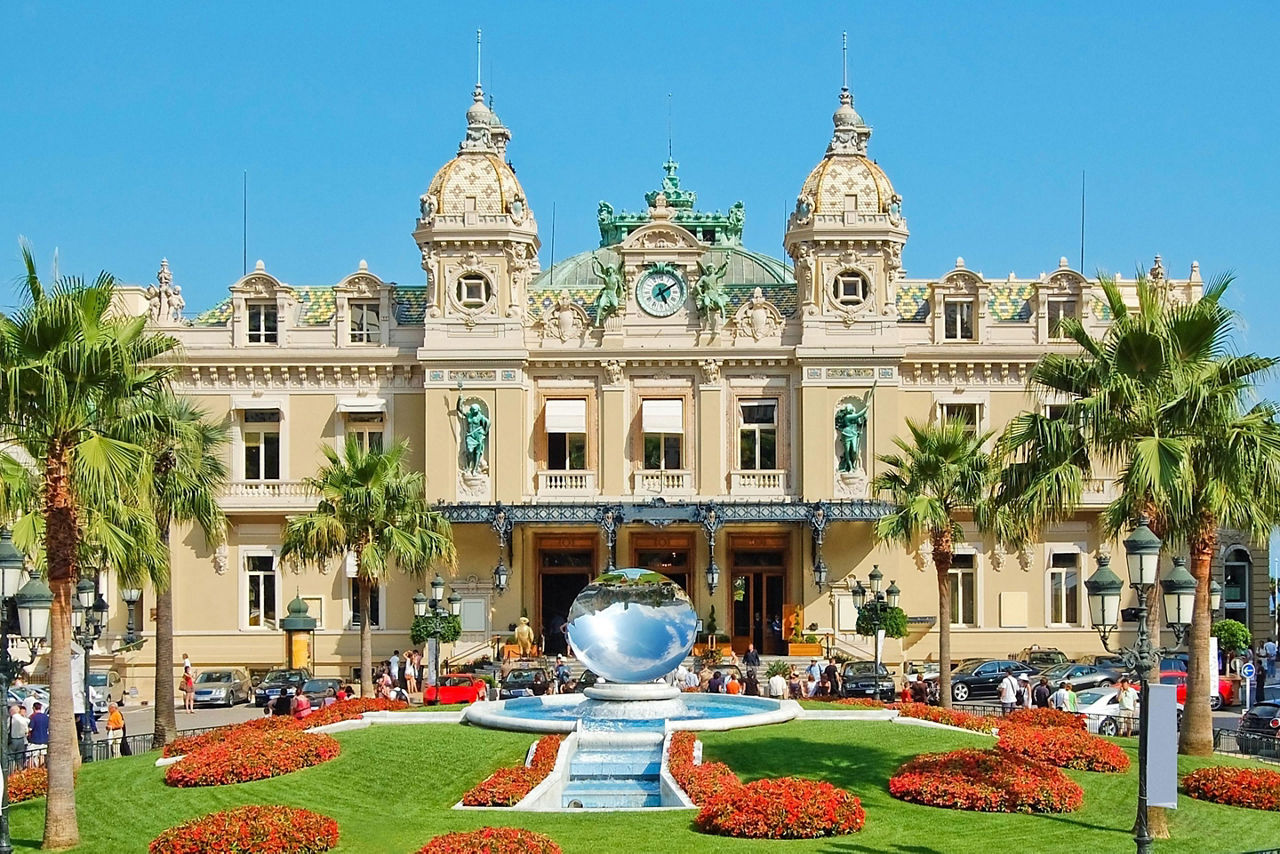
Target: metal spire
668, 125
844, 59
477, 57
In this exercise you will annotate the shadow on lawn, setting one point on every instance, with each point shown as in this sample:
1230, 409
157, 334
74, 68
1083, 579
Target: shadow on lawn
852, 767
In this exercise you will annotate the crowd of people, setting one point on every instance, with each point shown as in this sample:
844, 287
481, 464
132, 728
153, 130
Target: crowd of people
816, 680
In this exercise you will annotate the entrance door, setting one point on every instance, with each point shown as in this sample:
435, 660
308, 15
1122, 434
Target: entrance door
670, 554
759, 590
565, 566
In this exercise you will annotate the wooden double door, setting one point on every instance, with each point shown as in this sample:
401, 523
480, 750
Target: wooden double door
758, 574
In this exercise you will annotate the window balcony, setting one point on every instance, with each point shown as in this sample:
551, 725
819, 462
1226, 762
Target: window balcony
758, 482
566, 484
662, 482
1098, 491
268, 495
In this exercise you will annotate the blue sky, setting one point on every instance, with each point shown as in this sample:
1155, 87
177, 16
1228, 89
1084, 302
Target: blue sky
128, 127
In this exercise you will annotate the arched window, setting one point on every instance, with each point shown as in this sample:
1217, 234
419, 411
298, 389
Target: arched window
1235, 584
473, 290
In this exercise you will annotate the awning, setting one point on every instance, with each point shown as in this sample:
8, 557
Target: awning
242, 403
566, 416
662, 416
362, 404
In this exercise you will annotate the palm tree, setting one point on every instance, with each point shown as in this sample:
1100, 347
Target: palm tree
187, 473
940, 474
1159, 403
69, 367
374, 509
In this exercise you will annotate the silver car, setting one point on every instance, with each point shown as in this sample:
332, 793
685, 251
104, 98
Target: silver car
105, 687
222, 687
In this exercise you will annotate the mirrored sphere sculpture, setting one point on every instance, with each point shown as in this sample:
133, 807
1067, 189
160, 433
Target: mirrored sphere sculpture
632, 625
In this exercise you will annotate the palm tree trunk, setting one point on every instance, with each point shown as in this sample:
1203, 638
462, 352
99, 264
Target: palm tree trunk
166, 725
60, 827
1196, 737
942, 563
366, 638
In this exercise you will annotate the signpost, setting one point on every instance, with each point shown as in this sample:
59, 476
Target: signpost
1247, 672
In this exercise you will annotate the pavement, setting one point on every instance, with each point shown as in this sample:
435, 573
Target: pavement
141, 719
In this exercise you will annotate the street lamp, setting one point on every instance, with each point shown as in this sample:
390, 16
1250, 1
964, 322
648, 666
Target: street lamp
131, 596
434, 607
419, 604
32, 602
876, 602
88, 619
1142, 560
455, 604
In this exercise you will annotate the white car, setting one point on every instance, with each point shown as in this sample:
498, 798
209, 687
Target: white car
1101, 710
105, 686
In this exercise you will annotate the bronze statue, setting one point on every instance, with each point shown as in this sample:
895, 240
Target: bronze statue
851, 423
476, 439
710, 296
609, 300
524, 637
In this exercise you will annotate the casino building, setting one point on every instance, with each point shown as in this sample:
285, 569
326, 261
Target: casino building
668, 398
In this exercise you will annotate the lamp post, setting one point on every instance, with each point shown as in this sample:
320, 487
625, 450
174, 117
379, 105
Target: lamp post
88, 618
876, 605
31, 602
422, 607
1142, 559
130, 596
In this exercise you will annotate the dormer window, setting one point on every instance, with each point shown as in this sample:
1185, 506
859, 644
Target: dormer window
1060, 310
473, 290
263, 323
957, 319
850, 288
366, 326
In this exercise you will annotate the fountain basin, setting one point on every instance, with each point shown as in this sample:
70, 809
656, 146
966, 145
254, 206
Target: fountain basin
570, 712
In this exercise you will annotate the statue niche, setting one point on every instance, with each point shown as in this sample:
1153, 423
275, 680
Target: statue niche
564, 320
851, 439
757, 318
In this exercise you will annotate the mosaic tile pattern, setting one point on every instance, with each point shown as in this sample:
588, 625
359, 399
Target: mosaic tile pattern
410, 304
1011, 302
219, 315
1101, 310
316, 305
913, 303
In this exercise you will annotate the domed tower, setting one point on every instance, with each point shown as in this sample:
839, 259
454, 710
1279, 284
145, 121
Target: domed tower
847, 231
478, 237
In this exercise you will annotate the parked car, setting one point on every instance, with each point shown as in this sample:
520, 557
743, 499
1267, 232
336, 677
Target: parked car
38, 693
980, 677
859, 679
926, 669
277, 681
1224, 697
1259, 730
105, 687
1040, 657
525, 682
1115, 662
586, 680
222, 687
1101, 710
457, 688
317, 689
1082, 676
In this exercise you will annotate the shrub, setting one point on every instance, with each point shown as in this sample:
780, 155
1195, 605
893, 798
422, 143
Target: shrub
950, 717
250, 830
252, 755
1252, 788
1232, 635
347, 710
1065, 748
191, 743
507, 786
784, 808
985, 781
492, 840
27, 784
1047, 718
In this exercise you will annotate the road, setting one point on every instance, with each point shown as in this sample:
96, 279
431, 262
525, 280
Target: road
141, 719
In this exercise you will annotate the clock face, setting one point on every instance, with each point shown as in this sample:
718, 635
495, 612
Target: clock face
661, 294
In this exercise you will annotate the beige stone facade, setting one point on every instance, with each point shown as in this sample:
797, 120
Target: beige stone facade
652, 433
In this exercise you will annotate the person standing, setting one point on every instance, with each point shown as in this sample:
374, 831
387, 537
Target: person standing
1008, 692
777, 686
1127, 700
37, 736
751, 685
1270, 649
186, 661
16, 750
919, 692
1041, 693
751, 658
188, 691
115, 728
394, 664
1024, 691
1058, 699
815, 669
564, 675
795, 689
1073, 704
833, 677
410, 674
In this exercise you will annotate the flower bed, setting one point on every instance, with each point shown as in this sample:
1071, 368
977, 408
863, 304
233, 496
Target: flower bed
250, 830
784, 808
1047, 718
1065, 748
1252, 788
507, 786
862, 703
252, 755
491, 840
700, 782
950, 717
985, 781
348, 710
27, 784
191, 743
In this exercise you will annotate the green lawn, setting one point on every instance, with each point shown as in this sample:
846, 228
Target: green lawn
392, 787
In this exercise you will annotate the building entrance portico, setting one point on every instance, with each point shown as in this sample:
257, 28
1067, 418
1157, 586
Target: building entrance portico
566, 564
759, 577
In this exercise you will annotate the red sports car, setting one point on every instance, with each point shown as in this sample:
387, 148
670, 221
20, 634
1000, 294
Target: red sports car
1177, 677
457, 688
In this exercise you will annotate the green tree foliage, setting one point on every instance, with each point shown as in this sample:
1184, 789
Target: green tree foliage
1232, 635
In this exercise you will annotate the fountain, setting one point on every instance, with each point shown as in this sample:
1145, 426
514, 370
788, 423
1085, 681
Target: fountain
631, 627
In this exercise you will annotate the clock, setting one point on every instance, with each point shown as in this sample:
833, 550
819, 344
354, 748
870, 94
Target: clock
661, 293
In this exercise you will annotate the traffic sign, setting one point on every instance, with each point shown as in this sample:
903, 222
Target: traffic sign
1247, 671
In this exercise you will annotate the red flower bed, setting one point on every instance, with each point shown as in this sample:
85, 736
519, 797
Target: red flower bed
27, 784
700, 782
250, 830
1065, 748
492, 840
506, 786
950, 717
191, 743
862, 703
785, 808
985, 781
1252, 788
252, 755
347, 710
1047, 718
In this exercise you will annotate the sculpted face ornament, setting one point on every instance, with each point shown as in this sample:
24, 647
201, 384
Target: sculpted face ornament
632, 625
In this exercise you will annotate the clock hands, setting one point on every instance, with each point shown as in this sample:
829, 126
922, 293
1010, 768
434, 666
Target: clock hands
663, 293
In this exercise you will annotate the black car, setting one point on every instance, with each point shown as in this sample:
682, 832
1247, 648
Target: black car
980, 677
859, 679
318, 689
277, 681
586, 680
1259, 730
525, 682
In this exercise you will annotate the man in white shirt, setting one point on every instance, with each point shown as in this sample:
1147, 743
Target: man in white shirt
1127, 700
777, 686
1008, 692
1059, 698
16, 749
815, 669
394, 663
691, 680
1269, 650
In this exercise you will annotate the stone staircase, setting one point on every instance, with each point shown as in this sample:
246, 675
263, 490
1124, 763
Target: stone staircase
612, 770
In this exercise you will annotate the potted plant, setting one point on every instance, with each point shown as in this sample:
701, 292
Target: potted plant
804, 645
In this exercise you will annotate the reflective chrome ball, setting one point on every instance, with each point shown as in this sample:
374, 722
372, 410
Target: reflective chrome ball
632, 625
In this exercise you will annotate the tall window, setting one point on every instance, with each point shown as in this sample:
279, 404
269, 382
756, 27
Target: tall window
1235, 585
758, 434
473, 290
964, 589
957, 320
1059, 310
261, 570
262, 323
262, 444
850, 288
967, 413
366, 326
663, 425
1064, 589
566, 422
367, 428
375, 603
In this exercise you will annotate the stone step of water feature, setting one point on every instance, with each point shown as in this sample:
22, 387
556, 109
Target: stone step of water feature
610, 773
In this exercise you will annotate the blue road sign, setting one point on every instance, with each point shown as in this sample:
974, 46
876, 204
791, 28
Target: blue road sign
1247, 671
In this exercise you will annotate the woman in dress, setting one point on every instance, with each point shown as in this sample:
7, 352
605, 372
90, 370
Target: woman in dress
410, 674
188, 691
